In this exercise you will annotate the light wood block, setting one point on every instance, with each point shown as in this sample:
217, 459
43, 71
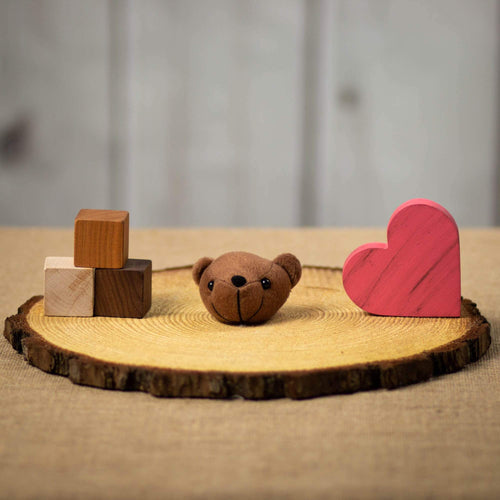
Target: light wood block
124, 293
416, 273
101, 238
69, 290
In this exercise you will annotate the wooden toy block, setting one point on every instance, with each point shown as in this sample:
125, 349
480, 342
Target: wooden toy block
417, 273
69, 290
124, 293
101, 238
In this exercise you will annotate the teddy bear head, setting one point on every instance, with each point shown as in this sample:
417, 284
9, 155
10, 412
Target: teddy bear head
240, 287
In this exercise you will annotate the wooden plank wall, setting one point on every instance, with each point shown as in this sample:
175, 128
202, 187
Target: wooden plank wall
236, 113
53, 88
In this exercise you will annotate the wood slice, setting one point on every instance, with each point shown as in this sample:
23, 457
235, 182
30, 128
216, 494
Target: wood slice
319, 343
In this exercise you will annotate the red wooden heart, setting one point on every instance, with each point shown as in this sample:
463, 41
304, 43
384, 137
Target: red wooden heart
417, 273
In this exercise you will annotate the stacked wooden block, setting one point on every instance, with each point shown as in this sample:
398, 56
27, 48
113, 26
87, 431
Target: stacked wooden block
100, 280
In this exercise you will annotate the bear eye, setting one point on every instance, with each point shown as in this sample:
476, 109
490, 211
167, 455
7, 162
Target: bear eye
210, 285
266, 283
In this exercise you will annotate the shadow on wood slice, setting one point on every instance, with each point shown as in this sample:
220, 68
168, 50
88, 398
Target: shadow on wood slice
319, 343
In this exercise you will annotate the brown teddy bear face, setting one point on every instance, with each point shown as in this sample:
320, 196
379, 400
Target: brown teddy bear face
240, 287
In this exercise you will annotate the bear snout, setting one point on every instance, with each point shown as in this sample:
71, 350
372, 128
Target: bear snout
236, 304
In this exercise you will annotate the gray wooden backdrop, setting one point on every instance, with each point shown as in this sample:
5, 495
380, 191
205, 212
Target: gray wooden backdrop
238, 113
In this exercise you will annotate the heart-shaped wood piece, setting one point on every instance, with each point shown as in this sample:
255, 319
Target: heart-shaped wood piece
416, 273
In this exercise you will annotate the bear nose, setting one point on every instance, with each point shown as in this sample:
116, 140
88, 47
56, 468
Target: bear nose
238, 280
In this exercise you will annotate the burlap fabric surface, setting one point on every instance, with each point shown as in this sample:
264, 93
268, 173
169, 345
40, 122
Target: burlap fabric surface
438, 439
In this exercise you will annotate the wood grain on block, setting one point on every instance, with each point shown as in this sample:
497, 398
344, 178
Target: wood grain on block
101, 238
124, 293
69, 290
417, 273
318, 343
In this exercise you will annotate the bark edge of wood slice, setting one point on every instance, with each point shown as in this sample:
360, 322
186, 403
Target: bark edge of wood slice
319, 284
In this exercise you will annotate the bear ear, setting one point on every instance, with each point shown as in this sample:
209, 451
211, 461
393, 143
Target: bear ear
291, 265
199, 268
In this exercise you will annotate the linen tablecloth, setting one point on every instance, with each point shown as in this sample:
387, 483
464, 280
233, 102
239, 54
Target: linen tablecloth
439, 438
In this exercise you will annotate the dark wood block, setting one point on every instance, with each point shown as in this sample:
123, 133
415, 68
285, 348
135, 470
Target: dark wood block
124, 293
101, 238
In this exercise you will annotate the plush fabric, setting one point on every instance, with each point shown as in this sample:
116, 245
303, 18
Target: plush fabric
240, 287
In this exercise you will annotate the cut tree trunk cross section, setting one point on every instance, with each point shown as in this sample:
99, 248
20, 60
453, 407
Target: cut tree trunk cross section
319, 343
